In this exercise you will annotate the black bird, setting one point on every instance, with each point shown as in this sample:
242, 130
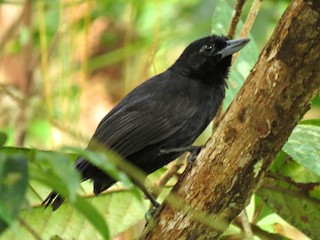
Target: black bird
160, 119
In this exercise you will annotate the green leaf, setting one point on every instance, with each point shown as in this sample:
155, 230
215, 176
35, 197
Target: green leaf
13, 185
298, 204
264, 209
56, 170
60, 166
304, 147
93, 216
105, 161
120, 209
3, 138
315, 122
56, 166
286, 167
81, 205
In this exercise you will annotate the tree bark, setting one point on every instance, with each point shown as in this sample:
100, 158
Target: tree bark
276, 94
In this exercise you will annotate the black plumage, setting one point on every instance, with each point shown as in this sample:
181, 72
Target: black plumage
167, 111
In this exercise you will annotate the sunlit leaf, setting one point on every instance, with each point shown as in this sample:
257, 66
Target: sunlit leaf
60, 166
93, 216
304, 147
284, 166
46, 165
82, 206
298, 204
315, 122
56, 170
119, 209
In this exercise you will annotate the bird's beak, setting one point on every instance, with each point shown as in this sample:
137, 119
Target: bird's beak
232, 47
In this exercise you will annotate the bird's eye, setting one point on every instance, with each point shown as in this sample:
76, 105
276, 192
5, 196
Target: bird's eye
208, 48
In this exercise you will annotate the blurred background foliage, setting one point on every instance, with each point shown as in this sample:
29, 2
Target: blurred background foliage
65, 64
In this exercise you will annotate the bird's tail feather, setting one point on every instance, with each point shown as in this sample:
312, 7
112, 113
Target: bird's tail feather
53, 198
100, 179
99, 187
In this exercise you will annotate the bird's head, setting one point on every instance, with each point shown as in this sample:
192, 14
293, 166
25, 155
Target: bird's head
208, 56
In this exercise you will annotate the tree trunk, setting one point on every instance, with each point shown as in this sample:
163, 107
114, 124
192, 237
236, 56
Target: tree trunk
275, 96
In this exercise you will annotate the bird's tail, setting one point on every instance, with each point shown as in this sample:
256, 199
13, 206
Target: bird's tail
53, 198
87, 171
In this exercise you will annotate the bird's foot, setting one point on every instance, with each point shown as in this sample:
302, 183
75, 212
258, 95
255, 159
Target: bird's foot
149, 216
194, 151
153, 201
193, 154
150, 213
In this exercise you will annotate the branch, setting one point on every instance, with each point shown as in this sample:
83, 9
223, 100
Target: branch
255, 7
274, 97
235, 18
27, 80
259, 232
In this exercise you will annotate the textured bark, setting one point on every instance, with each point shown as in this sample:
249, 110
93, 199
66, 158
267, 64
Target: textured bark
274, 97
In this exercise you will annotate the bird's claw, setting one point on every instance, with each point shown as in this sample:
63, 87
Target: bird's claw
193, 154
149, 215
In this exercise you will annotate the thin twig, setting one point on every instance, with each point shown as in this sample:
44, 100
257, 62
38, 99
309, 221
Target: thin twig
254, 10
26, 56
231, 34
30, 229
91, 195
34, 191
52, 48
255, 7
257, 212
171, 171
258, 231
235, 18
11, 30
246, 225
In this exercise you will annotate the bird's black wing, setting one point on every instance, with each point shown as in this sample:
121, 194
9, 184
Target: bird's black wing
142, 121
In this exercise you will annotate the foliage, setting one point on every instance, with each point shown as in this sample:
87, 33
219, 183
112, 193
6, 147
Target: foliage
86, 56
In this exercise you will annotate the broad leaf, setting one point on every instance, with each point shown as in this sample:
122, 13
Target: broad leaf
119, 209
315, 122
298, 204
304, 147
62, 168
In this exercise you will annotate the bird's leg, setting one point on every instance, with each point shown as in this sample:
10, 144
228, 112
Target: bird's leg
194, 151
149, 214
151, 198
147, 194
